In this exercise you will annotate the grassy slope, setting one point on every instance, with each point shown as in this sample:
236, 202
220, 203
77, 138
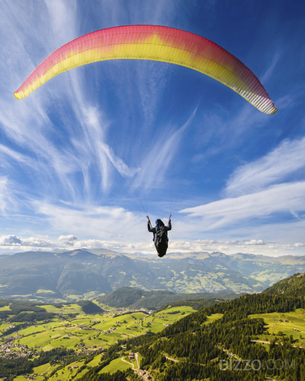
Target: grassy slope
296, 320
115, 365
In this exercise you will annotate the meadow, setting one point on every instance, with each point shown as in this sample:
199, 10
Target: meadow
288, 324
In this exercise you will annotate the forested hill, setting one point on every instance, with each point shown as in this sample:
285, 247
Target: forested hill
135, 298
294, 286
219, 343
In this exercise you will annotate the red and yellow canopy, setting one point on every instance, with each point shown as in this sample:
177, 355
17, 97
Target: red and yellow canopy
157, 43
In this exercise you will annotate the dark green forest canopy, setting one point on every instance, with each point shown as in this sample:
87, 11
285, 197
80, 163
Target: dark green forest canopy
202, 344
294, 286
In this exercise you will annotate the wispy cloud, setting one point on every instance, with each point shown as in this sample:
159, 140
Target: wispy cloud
278, 166
91, 221
155, 165
63, 20
8, 201
259, 193
268, 73
283, 198
95, 132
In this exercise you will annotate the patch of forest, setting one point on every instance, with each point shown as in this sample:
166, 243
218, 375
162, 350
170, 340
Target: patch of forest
12, 367
89, 307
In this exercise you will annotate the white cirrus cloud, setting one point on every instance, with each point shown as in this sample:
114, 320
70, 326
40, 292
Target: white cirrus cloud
157, 161
277, 166
8, 200
283, 198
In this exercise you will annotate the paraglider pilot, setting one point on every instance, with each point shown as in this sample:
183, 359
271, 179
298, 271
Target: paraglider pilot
160, 237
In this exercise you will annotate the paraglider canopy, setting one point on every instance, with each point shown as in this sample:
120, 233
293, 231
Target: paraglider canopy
156, 43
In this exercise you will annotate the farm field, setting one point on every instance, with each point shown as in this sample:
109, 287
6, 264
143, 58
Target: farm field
115, 365
69, 372
212, 318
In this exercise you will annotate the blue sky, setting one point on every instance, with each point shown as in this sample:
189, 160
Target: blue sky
89, 154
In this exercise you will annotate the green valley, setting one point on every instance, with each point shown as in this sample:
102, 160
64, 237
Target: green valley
143, 334
259, 336
69, 335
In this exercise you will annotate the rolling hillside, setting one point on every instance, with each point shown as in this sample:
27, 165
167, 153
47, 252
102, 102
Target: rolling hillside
294, 286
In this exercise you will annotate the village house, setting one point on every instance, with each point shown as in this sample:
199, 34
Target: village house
143, 374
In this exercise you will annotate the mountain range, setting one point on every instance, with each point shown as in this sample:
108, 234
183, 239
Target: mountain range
78, 274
